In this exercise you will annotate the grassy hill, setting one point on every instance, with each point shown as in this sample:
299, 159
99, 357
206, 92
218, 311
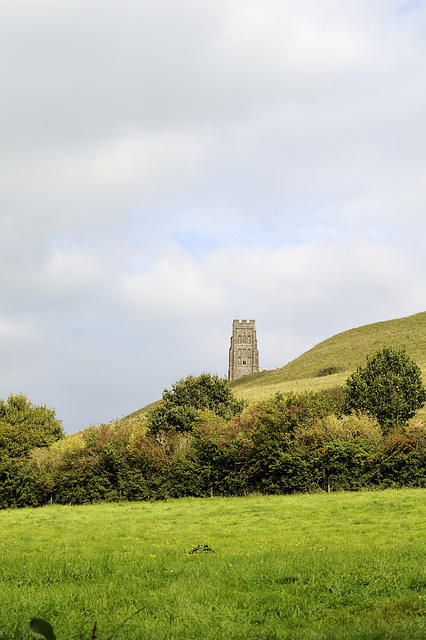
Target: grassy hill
340, 354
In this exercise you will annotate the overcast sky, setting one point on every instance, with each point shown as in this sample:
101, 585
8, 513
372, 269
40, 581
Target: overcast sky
167, 166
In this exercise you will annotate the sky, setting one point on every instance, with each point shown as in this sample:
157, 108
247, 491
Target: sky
167, 166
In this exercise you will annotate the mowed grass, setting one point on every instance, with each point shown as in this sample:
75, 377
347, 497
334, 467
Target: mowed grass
323, 566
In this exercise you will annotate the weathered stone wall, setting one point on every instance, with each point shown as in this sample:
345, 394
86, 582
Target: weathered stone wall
243, 352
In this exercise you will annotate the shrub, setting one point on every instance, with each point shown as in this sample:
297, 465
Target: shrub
341, 450
219, 447
20, 485
333, 427
178, 408
401, 461
336, 396
344, 464
389, 387
274, 463
24, 426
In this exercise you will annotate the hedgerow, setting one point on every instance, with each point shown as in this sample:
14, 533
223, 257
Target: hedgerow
286, 444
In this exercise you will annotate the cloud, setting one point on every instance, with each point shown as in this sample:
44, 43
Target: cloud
167, 167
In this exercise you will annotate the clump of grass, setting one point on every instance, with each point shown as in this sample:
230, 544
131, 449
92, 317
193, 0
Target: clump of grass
200, 548
327, 371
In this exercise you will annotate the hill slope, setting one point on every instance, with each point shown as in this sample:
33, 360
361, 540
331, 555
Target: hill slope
341, 353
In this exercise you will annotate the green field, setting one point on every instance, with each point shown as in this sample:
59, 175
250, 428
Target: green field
322, 566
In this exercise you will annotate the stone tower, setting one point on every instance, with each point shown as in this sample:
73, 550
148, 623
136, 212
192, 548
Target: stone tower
243, 353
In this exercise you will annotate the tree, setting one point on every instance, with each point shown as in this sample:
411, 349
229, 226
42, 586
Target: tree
389, 388
24, 426
179, 406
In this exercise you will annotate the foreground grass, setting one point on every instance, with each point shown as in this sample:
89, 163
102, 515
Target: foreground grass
325, 566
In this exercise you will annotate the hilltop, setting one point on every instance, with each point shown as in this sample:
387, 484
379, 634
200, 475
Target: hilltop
329, 363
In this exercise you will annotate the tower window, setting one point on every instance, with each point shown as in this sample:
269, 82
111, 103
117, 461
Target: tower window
244, 362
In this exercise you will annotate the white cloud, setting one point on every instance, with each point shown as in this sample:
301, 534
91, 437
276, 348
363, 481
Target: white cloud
16, 336
166, 167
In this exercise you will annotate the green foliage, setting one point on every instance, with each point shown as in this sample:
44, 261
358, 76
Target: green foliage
287, 444
219, 448
179, 406
274, 464
336, 396
401, 460
389, 387
24, 426
332, 427
282, 414
20, 484
344, 464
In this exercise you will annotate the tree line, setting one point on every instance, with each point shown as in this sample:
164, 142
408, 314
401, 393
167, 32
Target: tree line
201, 441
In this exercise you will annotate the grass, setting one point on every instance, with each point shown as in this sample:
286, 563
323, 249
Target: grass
340, 566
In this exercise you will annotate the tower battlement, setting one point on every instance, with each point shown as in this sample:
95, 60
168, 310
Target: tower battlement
243, 352
237, 323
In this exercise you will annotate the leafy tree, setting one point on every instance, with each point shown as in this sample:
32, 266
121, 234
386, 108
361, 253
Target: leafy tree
24, 426
389, 388
180, 405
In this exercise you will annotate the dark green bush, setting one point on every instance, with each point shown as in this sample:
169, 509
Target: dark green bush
24, 426
20, 485
178, 408
389, 387
327, 371
219, 447
344, 465
401, 460
273, 462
